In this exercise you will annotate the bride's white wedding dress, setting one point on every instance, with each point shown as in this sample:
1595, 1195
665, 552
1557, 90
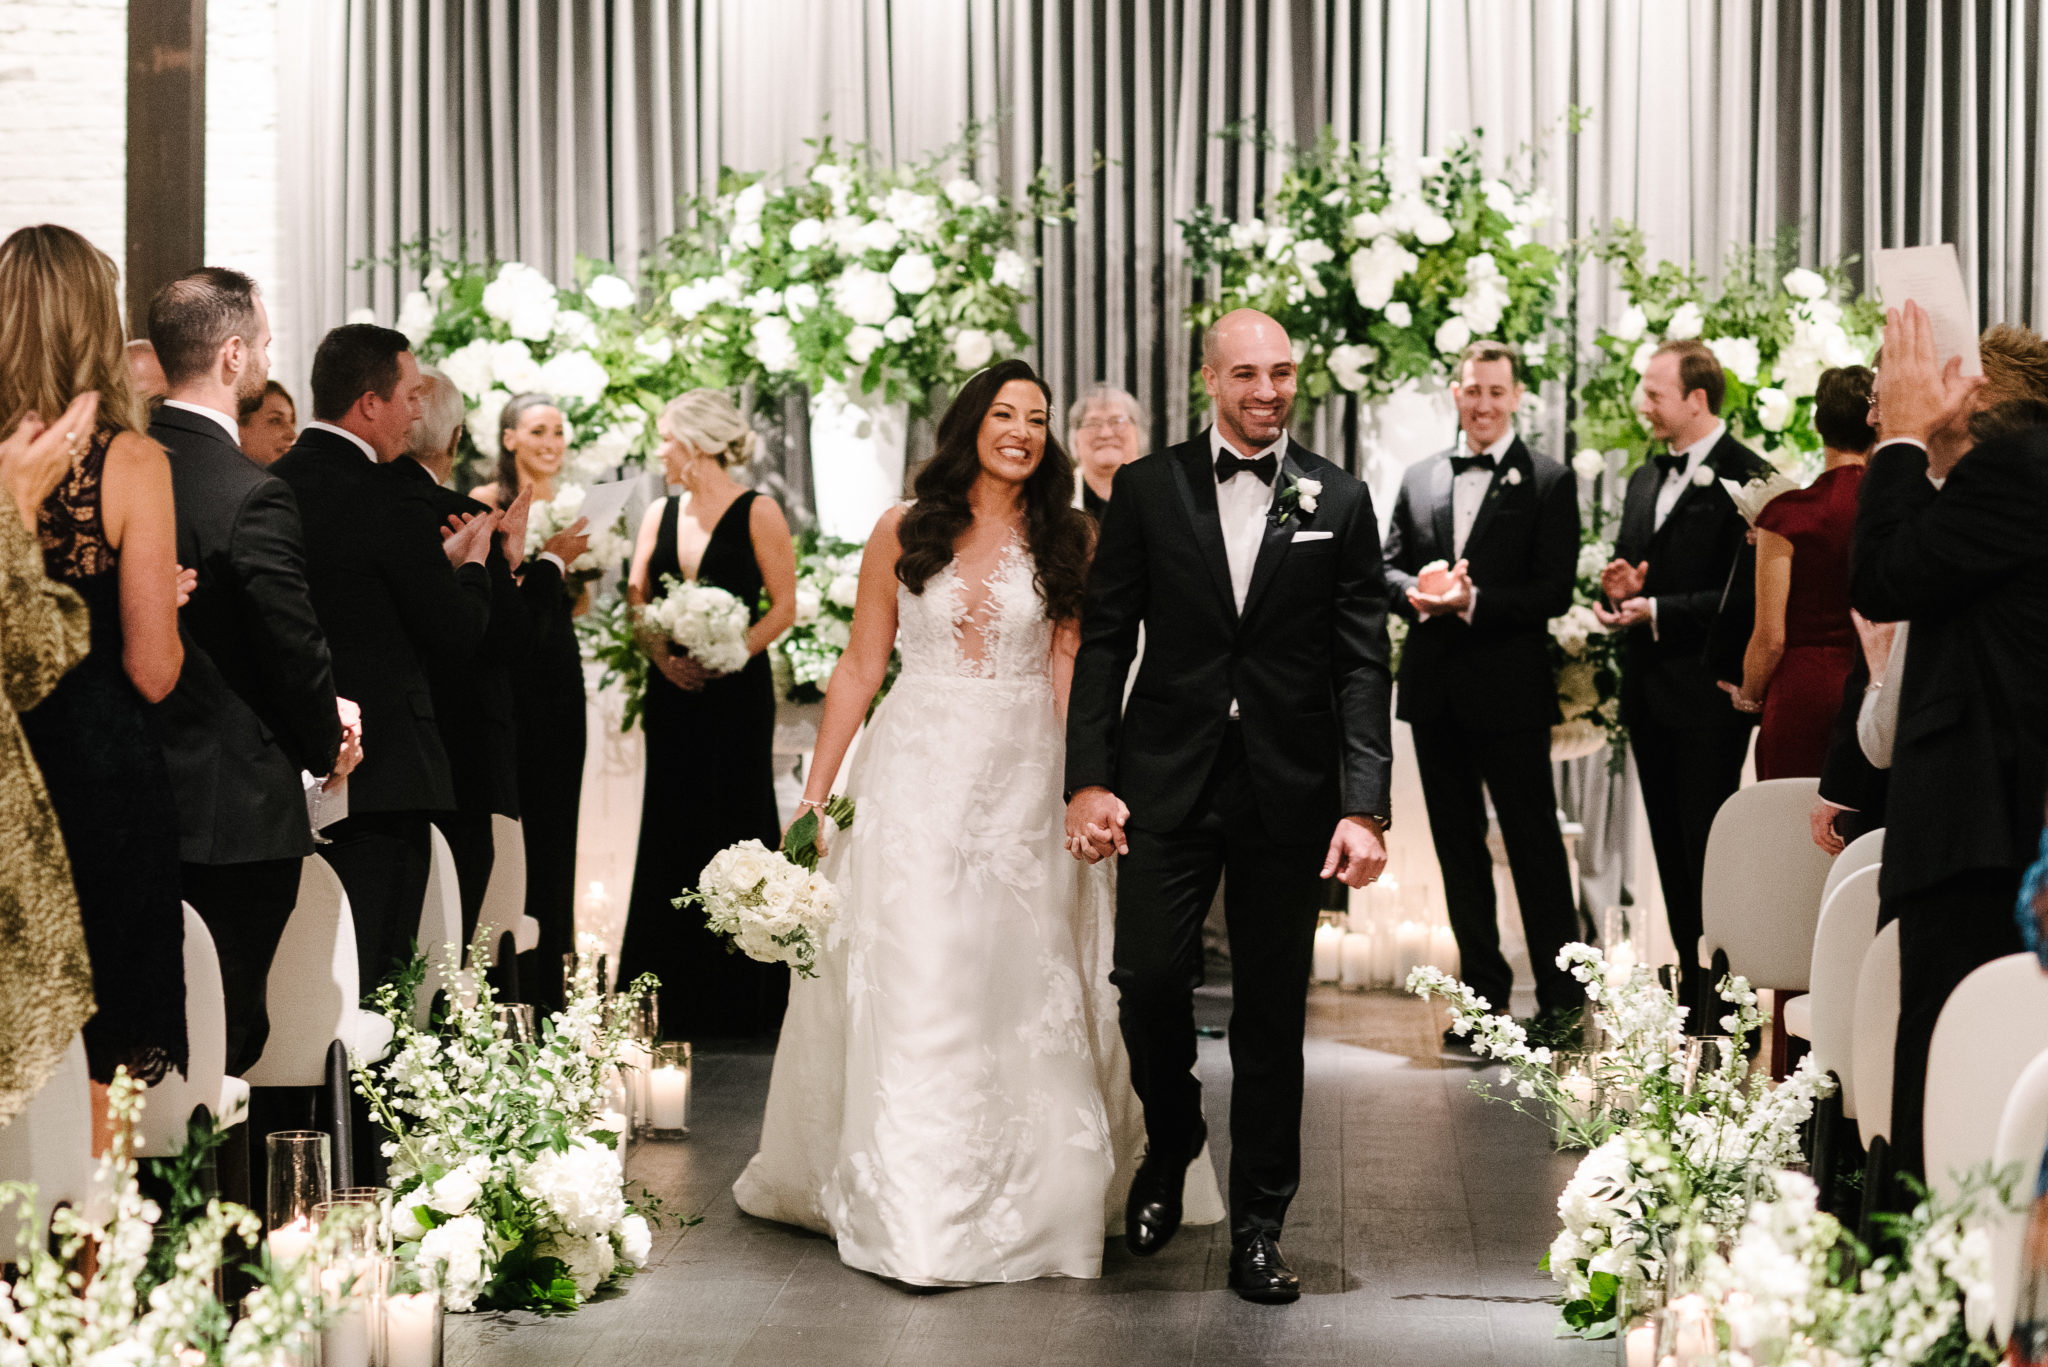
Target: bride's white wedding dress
951, 1101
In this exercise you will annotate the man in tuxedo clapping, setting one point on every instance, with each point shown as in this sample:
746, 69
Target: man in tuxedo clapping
1476, 685
255, 703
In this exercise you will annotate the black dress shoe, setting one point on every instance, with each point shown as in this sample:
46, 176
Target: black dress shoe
1152, 1211
1258, 1270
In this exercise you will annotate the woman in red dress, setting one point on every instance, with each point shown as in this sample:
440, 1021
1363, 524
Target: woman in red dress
1804, 643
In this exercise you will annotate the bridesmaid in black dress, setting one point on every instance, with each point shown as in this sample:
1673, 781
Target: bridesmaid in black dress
710, 775
109, 533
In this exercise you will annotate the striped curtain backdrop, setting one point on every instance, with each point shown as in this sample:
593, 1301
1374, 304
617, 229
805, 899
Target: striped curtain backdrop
538, 129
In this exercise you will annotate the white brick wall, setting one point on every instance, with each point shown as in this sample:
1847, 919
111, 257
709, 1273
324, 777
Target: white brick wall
64, 117
242, 221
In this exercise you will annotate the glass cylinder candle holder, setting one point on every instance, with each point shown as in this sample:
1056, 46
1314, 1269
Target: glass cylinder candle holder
571, 962
351, 1278
668, 1090
1705, 1055
380, 1202
516, 1021
1687, 1335
301, 1178
410, 1325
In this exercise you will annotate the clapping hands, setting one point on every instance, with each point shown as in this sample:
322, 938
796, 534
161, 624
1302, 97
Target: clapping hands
512, 527
1623, 585
467, 538
1452, 591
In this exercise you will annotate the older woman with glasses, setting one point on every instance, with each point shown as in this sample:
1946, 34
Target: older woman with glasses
1105, 430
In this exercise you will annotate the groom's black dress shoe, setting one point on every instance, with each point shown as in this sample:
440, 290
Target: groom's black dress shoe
1152, 1210
1258, 1270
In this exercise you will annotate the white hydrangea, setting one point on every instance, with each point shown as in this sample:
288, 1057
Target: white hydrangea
469, 368
456, 1249
878, 235
1486, 294
416, 316
574, 327
1376, 269
523, 299
1399, 314
1774, 409
913, 274
914, 214
580, 1186
806, 234
864, 295
798, 300
1453, 336
574, 375
1348, 365
1686, 323
610, 292
1632, 324
655, 346
775, 344
862, 343
1011, 271
973, 349
513, 366
587, 1260
1738, 356
899, 329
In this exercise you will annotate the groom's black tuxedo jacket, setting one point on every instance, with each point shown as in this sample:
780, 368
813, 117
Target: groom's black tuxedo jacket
1492, 673
1969, 568
255, 700
1306, 660
388, 601
1703, 576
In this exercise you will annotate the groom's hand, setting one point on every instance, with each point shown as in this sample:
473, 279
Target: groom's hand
1095, 825
1358, 851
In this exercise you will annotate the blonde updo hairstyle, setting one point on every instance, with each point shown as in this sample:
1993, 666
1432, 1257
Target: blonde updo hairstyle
707, 421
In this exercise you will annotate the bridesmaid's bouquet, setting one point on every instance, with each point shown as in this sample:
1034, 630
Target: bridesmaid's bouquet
703, 620
771, 905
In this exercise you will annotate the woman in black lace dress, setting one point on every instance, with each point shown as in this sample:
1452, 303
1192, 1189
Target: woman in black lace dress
107, 532
710, 737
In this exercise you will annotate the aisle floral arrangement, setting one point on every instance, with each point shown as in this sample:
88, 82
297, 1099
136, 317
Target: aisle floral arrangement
895, 281
153, 1297
1773, 326
772, 905
1383, 267
1586, 658
504, 1162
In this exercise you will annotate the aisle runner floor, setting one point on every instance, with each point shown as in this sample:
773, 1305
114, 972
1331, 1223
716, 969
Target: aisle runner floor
1422, 1215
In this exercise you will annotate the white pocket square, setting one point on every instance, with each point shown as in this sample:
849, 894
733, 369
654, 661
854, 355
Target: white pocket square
1313, 536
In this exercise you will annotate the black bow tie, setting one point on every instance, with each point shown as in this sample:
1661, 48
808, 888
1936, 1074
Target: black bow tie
1671, 463
1264, 467
1481, 461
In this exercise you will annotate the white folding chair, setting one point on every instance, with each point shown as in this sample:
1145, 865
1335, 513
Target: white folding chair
168, 1106
50, 1145
2022, 1130
504, 909
312, 992
1848, 923
1860, 853
1760, 895
1990, 1029
1877, 1034
440, 923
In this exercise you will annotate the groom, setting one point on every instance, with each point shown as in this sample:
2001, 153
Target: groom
1255, 743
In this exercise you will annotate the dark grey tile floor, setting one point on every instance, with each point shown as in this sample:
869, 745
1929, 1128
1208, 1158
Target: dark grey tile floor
1422, 1214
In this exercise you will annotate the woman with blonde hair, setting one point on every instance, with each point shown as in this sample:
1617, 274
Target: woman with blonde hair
107, 532
710, 776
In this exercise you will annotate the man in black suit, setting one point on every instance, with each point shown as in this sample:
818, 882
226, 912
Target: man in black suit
255, 704
1683, 579
1476, 682
1255, 743
390, 595
1968, 566
472, 696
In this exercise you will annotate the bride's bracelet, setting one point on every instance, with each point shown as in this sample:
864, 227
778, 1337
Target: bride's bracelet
809, 802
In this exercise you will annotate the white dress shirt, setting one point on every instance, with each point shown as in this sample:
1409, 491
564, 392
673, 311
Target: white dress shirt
1242, 503
1675, 482
228, 424
1468, 491
361, 445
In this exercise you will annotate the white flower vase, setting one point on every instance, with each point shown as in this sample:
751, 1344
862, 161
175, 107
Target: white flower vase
857, 455
1411, 425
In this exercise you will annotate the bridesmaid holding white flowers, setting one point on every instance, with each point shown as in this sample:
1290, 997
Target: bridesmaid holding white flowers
709, 775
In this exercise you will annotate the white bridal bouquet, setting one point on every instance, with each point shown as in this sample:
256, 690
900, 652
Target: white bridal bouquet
772, 905
704, 620
508, 1191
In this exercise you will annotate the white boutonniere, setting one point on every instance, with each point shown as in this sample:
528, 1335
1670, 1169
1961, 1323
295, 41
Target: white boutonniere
1513, 476
1298, 498
1703, 476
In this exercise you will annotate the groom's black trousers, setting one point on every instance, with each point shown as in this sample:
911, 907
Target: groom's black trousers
1271, 897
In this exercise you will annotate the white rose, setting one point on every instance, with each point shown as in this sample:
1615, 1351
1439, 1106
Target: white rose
1774, 409
1453, 336
1348, 363
973, 348
878, 235
1640, 362
1432, 230
1377, 269
655, 346
513, 366
1365, 226
916, 215
899, 329
1011, 271
1631, 326
963, 192
834, 633
636, 1240
862, 343
574, 327
1737, 355
1703, 476
416, 316
799, 300
1398, 314
1686, 323
1589, 464
808, 603
458, 1247
455, 1193
405, 1222
610, 292
913, 274
864, 296
805, 234
1306, 492
469, 368
575, 375
843, 591
1312, 252
752, 200
775, 344
763, 302
1802, 283
844, 230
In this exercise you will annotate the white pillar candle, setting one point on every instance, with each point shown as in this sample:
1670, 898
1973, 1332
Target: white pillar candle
1384, 948
668, 1107
1642, 1346
409, 1322
1443, 950
345, 1342
1325, 963
1356, 961
637, 1060
289, 1243
1411, 951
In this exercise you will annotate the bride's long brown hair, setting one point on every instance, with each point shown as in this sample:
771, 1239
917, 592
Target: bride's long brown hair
60, 329
1059, 536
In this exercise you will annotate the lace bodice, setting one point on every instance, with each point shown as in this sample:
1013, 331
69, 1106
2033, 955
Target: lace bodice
995, 629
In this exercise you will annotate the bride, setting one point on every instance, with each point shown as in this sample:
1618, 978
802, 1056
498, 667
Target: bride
951, 1101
